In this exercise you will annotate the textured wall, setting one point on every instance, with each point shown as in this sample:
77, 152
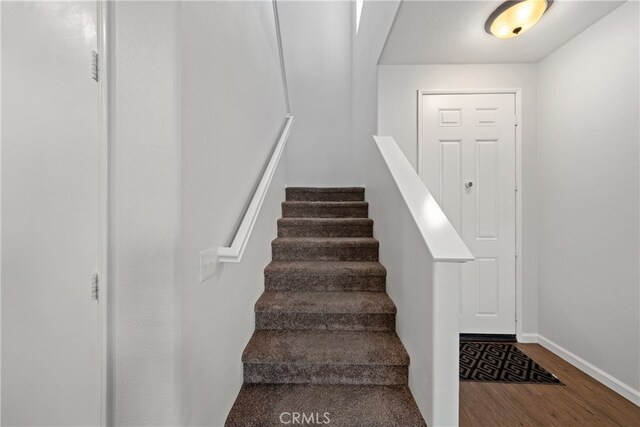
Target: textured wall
316, 38
145, 214
375, 23
589, 209
232, 114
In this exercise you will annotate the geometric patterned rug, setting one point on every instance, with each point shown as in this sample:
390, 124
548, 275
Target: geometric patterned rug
492, 362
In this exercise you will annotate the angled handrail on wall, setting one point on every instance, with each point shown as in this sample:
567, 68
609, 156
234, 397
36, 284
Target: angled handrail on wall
233, 253
283, 71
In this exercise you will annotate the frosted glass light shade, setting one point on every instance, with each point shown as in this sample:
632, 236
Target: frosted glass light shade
513, 18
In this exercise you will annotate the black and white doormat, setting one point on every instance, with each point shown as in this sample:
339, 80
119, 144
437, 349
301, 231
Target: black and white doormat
494, 362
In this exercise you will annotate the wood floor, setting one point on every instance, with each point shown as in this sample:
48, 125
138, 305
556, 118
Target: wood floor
582, 401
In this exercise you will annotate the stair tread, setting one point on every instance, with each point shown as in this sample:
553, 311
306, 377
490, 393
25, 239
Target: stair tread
325, 302
326, 241
325, 347
325, 189
325, 208
346, 405
327, 268
350, 203
326, 221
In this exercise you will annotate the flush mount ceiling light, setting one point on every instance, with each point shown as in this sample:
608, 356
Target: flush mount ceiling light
513, 18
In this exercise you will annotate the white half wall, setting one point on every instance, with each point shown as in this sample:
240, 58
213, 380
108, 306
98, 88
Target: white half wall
397, 117
145, 198
588, 146
233, 111
410, 283
316, 39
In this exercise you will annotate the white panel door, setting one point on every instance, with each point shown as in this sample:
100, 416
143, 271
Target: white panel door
50, 323
468, 163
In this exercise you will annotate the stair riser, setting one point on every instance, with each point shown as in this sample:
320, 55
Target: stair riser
291, 373
319, 283
290, 252
327, 321
263, 405
313, 196
324, 211
295, 230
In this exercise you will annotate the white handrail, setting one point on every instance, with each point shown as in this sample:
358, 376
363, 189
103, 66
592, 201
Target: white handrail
442, 240
234, 252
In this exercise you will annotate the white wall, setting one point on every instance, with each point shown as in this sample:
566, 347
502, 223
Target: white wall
410, 280
589, 302
146, 160
317, 38
232, 113
397, 112
375, 23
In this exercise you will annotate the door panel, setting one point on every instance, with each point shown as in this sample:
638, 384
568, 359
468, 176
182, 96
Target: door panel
487, 197
50, 323
487, 283
451, 180
471, 139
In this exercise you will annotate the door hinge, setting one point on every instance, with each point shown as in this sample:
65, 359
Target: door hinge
515, 185
94, 286
94, 65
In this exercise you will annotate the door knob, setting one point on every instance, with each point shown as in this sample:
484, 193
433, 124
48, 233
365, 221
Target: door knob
468, 184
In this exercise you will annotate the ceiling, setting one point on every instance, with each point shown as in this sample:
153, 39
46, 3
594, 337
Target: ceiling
452, 32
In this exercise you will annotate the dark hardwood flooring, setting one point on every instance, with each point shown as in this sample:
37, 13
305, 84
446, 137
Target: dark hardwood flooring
582, 401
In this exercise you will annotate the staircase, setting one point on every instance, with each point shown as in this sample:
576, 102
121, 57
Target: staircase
325, 349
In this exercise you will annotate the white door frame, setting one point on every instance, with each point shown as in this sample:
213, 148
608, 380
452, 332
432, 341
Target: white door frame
104, 21
518, 139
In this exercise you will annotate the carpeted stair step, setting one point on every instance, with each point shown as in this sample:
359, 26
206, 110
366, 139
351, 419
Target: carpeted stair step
344, 405
325, 249
325, 194
325, 209
325, 357
325, 338
325, 227
345, 311
324, 276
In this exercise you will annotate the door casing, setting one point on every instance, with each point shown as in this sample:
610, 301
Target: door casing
517, 92
104, 21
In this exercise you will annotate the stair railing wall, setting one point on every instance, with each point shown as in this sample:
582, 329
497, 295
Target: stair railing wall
423, 254
233, 252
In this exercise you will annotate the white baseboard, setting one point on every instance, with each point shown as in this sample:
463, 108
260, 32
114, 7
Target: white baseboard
598, 374
527, 338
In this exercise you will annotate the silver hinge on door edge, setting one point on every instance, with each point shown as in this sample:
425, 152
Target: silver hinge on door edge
94, 65
94, 286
